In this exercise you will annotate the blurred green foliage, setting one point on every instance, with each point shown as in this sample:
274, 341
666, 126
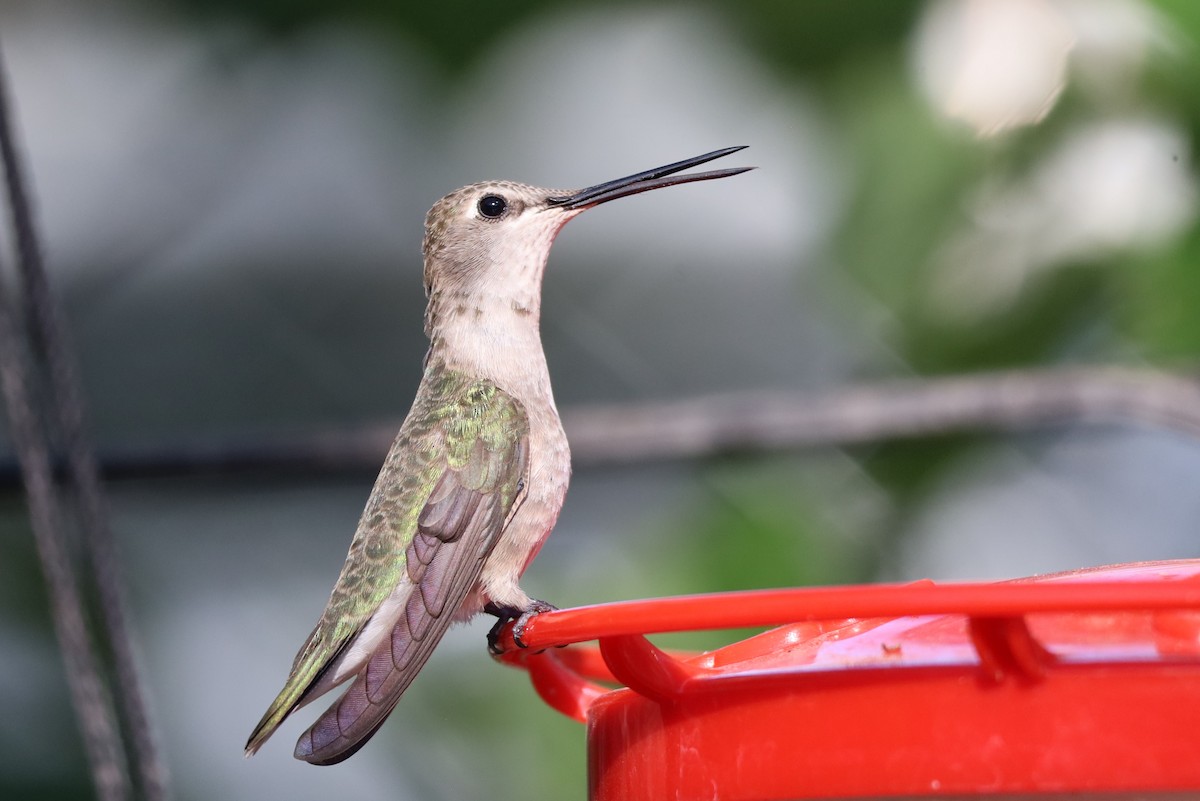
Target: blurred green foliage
454, 33
796, 37
1161, 292
767, 523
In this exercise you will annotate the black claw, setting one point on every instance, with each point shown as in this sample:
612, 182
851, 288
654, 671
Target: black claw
493, 637
536, 608
505, 615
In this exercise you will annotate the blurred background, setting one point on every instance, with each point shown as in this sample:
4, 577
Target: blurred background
231, 194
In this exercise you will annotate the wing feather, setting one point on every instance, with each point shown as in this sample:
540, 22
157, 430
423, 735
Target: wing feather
456, 530
428, 612
444, 495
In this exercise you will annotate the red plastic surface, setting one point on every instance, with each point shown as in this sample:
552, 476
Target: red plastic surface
1080, 682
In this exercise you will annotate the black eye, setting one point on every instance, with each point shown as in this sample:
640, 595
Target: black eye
492, 206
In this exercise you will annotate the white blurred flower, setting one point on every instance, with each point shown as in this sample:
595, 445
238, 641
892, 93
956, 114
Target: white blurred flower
993, 65
1001, 64
1110, 185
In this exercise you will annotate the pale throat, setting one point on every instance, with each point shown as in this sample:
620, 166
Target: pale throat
491, 329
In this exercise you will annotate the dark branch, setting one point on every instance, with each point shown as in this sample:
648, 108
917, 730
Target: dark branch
773, 421
703, 427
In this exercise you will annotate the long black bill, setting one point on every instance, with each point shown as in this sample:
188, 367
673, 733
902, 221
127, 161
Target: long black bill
650, 179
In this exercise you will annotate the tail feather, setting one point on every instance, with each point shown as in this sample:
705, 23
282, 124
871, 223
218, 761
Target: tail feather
451, 570
303, 685
347, 725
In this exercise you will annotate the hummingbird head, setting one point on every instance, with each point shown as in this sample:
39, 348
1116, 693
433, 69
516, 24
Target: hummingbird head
488, 237
497, 234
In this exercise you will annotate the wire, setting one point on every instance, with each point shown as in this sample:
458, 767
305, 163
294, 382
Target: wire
49, 345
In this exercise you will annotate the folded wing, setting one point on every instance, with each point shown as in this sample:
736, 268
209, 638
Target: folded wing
446, 491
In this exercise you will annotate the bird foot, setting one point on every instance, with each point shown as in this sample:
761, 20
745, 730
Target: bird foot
518, 617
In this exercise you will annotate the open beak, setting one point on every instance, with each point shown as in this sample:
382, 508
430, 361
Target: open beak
645, 181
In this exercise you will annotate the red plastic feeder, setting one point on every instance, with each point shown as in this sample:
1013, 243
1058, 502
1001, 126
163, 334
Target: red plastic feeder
1077, 682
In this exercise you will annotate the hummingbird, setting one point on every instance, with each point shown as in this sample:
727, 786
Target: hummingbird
477, 474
